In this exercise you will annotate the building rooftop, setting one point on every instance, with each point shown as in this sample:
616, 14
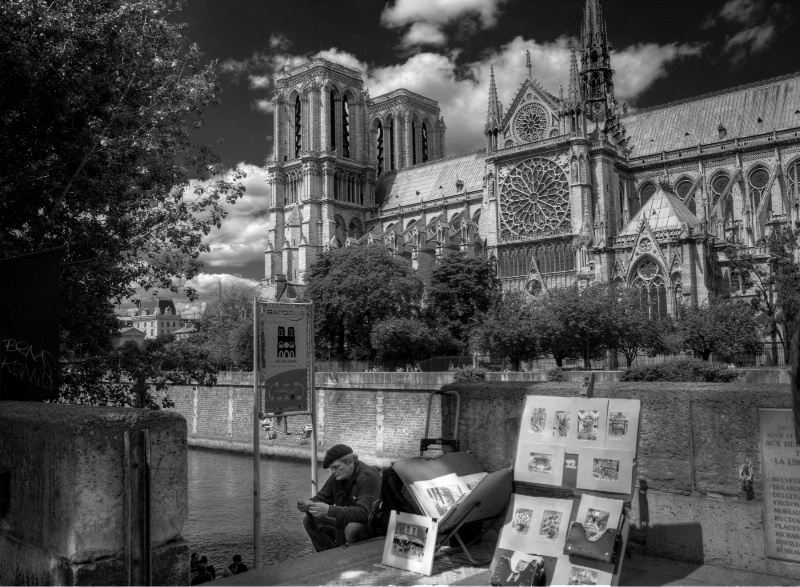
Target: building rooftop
663, 211
420, 183
741, 111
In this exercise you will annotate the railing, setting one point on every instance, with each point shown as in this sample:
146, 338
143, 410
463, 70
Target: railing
391, 365
534, 144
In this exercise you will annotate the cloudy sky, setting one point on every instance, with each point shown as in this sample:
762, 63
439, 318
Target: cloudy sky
663, 50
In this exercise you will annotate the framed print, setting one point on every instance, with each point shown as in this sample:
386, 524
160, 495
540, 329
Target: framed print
588, 424
516, 568
545, 419
536, 525
539, 463
597, 514
604, 469
571, 572
410, 542
622, 430
436, 496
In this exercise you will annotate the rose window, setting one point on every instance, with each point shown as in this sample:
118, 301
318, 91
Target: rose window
534, 200
531, 122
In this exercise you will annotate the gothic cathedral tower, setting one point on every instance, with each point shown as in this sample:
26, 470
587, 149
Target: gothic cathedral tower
321, 181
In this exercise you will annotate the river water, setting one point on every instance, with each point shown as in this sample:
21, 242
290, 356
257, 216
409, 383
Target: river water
220, 520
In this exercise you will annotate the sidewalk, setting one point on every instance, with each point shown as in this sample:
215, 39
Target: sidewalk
360, 564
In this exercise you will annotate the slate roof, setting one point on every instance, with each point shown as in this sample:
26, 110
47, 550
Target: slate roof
664, 211
155, 303
775, 101
399, 188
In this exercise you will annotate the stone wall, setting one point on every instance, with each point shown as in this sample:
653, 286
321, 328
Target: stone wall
61, 493
688, 503
380, 415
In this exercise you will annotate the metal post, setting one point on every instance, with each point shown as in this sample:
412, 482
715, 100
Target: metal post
256, 445
312, 398
136, 508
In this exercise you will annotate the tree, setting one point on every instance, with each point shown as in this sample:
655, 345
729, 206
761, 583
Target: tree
226, 329
138, 376
98, 102
353, 289
576, 321
461, 291
630, 328
728, 327
402, 338
508, 331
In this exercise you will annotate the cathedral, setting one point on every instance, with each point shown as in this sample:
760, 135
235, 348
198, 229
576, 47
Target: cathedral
570, 187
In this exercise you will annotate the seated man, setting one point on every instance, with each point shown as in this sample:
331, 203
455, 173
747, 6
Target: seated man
338, 514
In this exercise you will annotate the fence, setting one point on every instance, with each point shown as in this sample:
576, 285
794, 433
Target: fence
432, 364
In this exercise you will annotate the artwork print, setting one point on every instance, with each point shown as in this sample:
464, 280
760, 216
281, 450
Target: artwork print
409, 542
618, 426
582, 576
561, 424
605, 469
538, 417
551, 522
444, 497
595, 524
521, 521
517, 569
540, 463
588, 423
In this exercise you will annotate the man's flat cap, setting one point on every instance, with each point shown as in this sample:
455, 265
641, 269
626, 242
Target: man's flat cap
336, 452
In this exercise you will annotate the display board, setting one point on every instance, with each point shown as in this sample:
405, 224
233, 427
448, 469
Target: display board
287, 359
574, 470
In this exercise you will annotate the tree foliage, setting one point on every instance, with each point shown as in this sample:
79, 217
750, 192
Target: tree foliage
355, 288
138, 376
98, 101
630, 328
461, 291
725, 326
226, 329
508, 331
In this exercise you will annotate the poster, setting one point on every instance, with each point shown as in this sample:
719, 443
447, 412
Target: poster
436, 496
537, 525
546, 419
598, 514
622, 430
578, 571
604, 469
588, 424
287, 361
539, 463
410, 542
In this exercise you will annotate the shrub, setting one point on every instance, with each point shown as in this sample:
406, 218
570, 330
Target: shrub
555, 374
469, 374
681, 370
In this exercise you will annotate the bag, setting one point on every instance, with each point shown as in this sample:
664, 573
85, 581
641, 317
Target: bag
391, 498
604, 549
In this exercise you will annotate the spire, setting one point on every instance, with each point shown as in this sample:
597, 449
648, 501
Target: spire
596, 75
528, 63
573, 94
493, 112
594, 25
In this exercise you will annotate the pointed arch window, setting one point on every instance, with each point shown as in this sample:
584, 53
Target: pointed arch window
333, 120
682, 190
391, 145
424, 142
646, 193
718, 185
652, 288
794, 179
758, 184
345, 127
621, 199
379, 146
413, 142
298, 127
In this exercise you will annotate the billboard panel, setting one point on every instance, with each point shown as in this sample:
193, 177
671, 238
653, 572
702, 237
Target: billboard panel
286, 360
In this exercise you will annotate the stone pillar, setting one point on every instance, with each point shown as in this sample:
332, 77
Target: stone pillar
408, 130
379, 397
325, 118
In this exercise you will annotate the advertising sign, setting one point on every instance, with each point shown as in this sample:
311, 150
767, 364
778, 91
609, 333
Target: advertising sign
287, 361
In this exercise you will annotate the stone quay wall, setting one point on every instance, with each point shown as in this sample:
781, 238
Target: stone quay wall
380, 415
688, 503
62, 494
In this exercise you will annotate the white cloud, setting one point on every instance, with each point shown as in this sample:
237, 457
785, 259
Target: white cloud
741, 11
749, 41
259, 81
423, 33
427, 18
638, 66
242, 237
265, 106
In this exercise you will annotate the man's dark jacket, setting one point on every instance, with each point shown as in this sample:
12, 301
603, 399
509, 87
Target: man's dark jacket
351, 500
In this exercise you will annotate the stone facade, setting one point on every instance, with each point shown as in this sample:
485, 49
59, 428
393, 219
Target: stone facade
570, 188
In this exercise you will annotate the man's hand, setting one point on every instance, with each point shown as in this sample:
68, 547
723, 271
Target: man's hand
303, 504
318, 509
